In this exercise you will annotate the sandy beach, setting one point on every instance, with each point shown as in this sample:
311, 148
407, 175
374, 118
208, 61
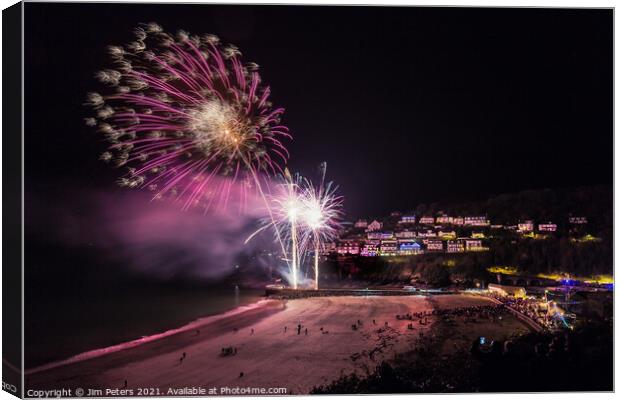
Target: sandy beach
266, 354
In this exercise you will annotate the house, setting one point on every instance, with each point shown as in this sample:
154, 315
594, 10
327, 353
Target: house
446, 234
477, 235
370, 248
525, 226
444, 220
348, 247
395, 214
379, 235
458, 221
548, 227
405, 234
407, 219
374, 226
388, 248
476, 221
409, 248
361, 223
474, 245
578, 220
427, 220
427, 233
455, 246
434, 245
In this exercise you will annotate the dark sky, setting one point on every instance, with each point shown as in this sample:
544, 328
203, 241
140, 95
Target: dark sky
406, 105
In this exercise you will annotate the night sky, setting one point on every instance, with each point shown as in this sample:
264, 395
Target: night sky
406, 105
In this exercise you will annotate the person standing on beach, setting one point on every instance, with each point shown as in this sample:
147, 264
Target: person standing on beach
285, 329
306, 331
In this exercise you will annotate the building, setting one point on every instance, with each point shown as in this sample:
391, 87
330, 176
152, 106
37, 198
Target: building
525, 226
409, 248
427, 233
476, 221
477, 235
578, 220
444, 220
407, 219
427, 220
474, 245
388, 248
374, 226
447, 234
348, 247
405, 234
379, 235
548, 227
370, 248
361, 223
455, 246
434, 245
458, 221
395, 214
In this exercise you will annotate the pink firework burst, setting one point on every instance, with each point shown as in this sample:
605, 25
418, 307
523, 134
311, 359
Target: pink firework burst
184, 111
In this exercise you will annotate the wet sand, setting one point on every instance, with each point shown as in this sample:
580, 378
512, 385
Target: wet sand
268, 357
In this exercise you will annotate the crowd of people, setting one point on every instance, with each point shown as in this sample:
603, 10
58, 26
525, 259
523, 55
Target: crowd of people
534, 309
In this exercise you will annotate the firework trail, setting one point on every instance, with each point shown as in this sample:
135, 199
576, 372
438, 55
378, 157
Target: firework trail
183, 109
306, 216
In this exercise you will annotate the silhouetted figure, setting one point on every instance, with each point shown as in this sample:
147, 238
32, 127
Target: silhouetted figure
125, 386
285, 329
252, 332
240, 375
306, 331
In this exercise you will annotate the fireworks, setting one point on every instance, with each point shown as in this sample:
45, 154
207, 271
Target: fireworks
183, 109
305, 217
323, 209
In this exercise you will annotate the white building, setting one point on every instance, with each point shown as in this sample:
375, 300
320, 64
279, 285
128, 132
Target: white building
405, 234
525, 226
374, 226
474, 245
427, 220
476, 221
578, 220
455, 246
548, 227
407, 219
434, 245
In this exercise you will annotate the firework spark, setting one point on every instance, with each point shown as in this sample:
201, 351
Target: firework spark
183, 109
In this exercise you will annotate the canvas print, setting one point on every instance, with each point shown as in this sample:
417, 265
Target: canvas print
285, 199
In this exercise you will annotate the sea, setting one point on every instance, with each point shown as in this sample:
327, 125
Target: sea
66, 326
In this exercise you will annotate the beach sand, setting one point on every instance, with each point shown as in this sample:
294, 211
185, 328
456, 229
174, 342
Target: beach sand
268, 357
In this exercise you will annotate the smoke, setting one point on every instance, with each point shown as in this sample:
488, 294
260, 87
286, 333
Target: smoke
156, 238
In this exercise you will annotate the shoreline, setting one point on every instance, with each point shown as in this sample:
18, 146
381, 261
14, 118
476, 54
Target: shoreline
194, 325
